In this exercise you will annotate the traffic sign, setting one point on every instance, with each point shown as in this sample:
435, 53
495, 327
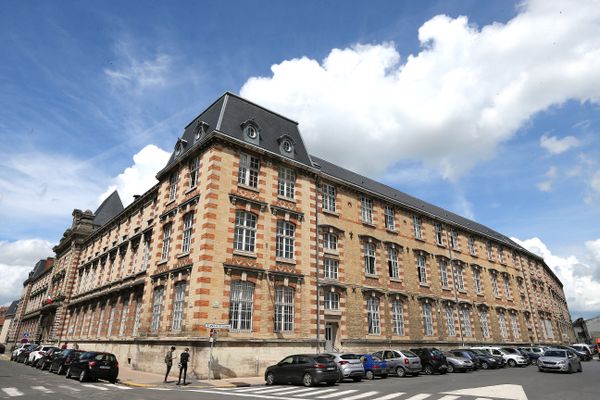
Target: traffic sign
25, 334
217, 326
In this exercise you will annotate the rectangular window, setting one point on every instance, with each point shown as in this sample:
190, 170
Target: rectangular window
187, 232
477, 278
249, 170
427, 319
329, 194
284, 309
285, 240
286, 182
489, 250
330, 267
422, 269
366, 206
502, 322
124, 316
444, 273
111, 319
166, 241
439, 238
501, 255
485, 327
157, 308
330, 241
417, 227
373, 316
245, 231
173, 185
146, 259
472, 245
398, 317
507, 287
194, 165
369, 258
459, 277
178, 302
466, 321
450, 321
495, 285
454, 239
138, 315
514, 325
332, 301
548, 330
393, 269
100, 322
390, 220
241, 304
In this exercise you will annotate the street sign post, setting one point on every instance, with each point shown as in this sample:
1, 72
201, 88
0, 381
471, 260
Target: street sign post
213, 329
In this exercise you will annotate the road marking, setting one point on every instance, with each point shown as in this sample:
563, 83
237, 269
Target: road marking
295, 391
319, 391
419, 396
278, 389
361, 395
12, 391
250, 389
389, 396
277, 396
70, 388
508, 392
329, 396
94, 387
42, 389
120, 387
449, 397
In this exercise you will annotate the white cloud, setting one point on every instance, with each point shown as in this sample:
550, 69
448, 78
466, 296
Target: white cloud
546, 185
139, 177
450, 105
581, 280
555, 145
17, 259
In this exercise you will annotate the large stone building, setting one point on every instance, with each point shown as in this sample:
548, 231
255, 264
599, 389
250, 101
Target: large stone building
295, 253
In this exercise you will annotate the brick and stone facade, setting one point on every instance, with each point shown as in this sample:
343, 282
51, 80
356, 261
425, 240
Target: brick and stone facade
244, 228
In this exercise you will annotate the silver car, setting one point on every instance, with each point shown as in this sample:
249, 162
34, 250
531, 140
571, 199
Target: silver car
401, 362
458, 363
559, 360
349, 364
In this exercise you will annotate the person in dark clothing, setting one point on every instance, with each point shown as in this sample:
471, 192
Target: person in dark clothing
169, 361
183, 362
64, 346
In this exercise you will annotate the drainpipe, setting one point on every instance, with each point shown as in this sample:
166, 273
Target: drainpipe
454, 275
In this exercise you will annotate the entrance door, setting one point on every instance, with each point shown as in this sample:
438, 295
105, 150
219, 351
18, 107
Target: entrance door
330, 335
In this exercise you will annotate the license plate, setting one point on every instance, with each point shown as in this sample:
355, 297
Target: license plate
104, 367
330, 368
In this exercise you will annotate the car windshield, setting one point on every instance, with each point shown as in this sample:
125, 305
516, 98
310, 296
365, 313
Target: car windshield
375, 358
409, 353
323, 359
436, 352
556, 353
350, 357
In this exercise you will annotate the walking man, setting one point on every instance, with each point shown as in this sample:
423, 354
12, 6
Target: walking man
183, 362
169, 361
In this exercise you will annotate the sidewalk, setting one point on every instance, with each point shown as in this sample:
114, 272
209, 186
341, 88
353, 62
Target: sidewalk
130, 377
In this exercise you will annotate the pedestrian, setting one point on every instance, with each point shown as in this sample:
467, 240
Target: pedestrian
64, 346
183, 362
169, 361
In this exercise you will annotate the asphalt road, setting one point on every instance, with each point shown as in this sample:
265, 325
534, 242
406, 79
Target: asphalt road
23, 382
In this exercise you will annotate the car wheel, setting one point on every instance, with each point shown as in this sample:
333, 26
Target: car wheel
540, 369
60, 370
570, 370
512, 363
428, 369
340, 377
307, 380
270, 379
485, 365
450, 368
400, 371
113, 380
369, 375
580, 369
83, 376
68, 373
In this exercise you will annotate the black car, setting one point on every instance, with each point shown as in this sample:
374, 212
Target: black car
531, 356
63, 360
46, 359
24, 355
432, 360
94, 365
500, 361
482, 359
308, 369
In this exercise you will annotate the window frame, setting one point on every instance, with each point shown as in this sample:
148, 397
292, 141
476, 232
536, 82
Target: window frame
285, 240
330, 267
331, 301
397, 308
422, 269
157, 304
244, 232
166, 243
439, 237
373, 316
484, 322
241, 305
393, 264
284, 309
389, 218
450, 322
330, 241
173, 182
444, 273
328, 196
428, 319
186, 240
366, 210
466, 322
418, 227
178, 306
370, 258
286, 183
194, 170
249, 170
472, 250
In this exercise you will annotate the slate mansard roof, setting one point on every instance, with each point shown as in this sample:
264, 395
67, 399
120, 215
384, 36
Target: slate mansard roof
12, 309
110, 207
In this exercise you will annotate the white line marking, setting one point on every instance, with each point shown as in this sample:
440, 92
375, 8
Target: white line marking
12, 391
120, 387
265, 396
42, 389
389, 396
250, 389
165, 389
449, 397
419, 396
361, 395
94, 387
279, 389
319, 391
482, 398
329, 396
70, 388
293, 392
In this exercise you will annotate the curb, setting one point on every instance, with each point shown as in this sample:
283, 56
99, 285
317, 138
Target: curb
135, 384
150, 385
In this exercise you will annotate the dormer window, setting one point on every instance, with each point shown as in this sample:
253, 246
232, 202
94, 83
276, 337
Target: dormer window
250, 131
286, 145
179, 146
200, 130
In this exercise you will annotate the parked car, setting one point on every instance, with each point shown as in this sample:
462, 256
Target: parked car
2, 348
559, 360
590, 348
349, 364
24, 354
458, 363
401, 362
34, 356
583, 348
488, 360
374, 366
93, 365
308, 369
532, 357
583, 355
17, 351
63, 360
515, 351
432, 360
534, 349
511, 359
45, 361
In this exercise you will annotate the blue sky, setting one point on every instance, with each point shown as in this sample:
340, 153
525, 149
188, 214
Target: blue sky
493, 115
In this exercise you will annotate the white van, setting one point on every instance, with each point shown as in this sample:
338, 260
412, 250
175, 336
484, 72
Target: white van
511, 359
